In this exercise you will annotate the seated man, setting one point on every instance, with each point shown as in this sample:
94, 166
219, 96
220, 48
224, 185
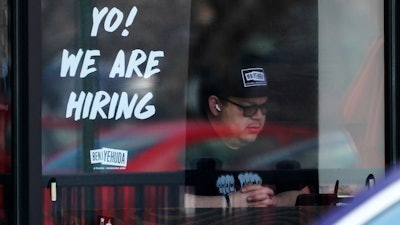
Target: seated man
235, 108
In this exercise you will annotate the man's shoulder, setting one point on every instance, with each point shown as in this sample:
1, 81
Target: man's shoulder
204, 153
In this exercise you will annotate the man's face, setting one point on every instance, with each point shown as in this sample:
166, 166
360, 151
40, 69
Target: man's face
234, 119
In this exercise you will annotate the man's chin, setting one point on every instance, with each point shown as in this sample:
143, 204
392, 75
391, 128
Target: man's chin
248, 139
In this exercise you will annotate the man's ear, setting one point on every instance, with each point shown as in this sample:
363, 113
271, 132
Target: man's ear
214, 105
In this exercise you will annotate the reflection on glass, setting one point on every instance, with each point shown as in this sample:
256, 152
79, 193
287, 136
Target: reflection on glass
139, 102
255, 53
351, 93
120, 86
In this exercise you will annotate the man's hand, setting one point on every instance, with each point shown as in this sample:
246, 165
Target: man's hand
288, 198
254, 195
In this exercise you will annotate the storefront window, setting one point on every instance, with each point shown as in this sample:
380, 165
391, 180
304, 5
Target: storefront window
286, 95
117, 80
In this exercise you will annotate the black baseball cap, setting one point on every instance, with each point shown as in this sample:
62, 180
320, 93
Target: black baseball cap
245, 82
248, 82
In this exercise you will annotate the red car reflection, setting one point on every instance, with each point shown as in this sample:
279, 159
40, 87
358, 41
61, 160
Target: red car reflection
157, 147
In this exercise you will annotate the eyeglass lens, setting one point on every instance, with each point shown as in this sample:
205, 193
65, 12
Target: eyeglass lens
249, 111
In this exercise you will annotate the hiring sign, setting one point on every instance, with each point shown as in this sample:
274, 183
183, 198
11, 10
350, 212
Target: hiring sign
82, 63
110, 70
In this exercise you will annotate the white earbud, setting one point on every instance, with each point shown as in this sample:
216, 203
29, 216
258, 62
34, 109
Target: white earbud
217, 108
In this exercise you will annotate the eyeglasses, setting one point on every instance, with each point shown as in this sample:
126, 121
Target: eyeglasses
249, 111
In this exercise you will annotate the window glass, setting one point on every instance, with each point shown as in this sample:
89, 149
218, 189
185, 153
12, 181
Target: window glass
114, 79
351, 93
242, 56
288, 94
5, 112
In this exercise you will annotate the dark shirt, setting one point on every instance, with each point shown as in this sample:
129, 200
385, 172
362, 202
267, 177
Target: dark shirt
215, 169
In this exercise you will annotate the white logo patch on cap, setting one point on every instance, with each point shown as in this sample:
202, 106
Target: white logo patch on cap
253, 77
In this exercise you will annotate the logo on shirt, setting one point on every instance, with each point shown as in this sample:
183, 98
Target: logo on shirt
226, 183
249, 178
